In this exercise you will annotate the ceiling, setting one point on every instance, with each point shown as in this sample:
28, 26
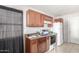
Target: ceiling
54, 10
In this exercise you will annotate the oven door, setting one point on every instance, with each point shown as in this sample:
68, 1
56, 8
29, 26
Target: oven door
53, 39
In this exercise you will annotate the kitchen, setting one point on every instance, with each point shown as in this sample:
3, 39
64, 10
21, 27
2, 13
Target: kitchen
39, 29
66, 32
35, 29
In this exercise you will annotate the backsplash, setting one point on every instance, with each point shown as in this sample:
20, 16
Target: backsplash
34, 29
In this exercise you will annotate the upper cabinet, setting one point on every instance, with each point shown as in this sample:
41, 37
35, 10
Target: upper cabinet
48, 20
58, 20
36, 19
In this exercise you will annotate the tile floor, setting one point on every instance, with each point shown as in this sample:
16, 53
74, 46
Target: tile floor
66, 48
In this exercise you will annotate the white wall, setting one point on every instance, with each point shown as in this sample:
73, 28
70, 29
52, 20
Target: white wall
71, 27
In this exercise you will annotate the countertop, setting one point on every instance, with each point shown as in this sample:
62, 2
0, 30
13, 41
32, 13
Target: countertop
40, 36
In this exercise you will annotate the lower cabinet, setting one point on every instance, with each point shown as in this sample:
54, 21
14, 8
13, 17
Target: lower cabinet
31, 46
42, 45
37, 45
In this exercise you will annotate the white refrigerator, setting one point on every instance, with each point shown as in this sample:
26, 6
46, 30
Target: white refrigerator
58, 29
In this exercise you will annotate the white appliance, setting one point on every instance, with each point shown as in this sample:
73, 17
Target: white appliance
58, 28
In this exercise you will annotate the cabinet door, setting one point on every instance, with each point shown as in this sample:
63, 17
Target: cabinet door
41, 20
42, 45
30, 18
34, 46
34, 19
37, 19
48, 18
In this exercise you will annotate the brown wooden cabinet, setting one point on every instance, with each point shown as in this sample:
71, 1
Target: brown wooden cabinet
34, 19
30, 18
31, 46
48, 19
39, 45
42, 20
58, 20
